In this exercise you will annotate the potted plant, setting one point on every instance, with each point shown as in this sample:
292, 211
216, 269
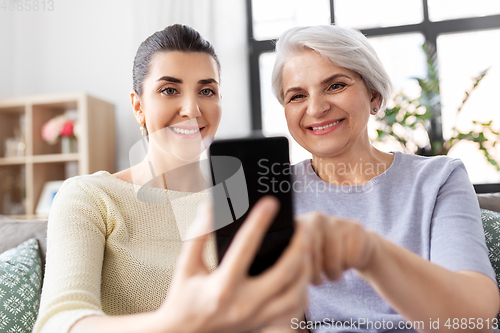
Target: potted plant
409, 116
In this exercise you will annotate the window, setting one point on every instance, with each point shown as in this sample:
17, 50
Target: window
462, 56
361, 14
440, 10
271, 18
462, 31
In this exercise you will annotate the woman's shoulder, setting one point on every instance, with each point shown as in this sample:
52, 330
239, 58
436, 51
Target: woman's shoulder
429, 171
96, 178
100, 181
98, 194
439, 162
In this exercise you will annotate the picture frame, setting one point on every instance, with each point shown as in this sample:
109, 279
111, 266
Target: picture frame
49, 191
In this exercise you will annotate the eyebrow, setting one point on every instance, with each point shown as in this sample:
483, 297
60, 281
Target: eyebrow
334, 77
170, 79
325, 81
176, 80
208, 81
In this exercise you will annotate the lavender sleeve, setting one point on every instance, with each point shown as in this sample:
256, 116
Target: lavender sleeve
457, 238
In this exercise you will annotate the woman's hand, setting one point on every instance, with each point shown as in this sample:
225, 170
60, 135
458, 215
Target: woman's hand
337, 244
228, 300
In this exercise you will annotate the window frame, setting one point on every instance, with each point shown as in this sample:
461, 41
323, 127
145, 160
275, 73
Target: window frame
429, 29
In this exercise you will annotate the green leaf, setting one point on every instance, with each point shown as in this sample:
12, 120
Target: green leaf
413, 113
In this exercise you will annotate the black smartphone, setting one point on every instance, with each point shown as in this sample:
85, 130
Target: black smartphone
243, 171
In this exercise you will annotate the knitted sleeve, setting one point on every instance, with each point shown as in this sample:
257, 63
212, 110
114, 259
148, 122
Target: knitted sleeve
76, 238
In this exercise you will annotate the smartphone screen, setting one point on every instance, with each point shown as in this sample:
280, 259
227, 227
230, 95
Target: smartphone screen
243, 171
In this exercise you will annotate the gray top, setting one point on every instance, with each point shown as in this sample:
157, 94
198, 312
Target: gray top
424, 204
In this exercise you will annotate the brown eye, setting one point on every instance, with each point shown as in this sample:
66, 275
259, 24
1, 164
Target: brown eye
337, 86
207, 92
295, 97
169, 91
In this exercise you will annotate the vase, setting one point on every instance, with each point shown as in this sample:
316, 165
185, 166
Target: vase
69, 145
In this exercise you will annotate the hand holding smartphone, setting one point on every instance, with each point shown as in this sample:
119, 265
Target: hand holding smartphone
243, 171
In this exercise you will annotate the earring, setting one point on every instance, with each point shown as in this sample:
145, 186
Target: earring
143, 129
374, 111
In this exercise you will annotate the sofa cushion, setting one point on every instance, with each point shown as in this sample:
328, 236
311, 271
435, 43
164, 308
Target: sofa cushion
489, 201
491, 226
14, 232
20, 285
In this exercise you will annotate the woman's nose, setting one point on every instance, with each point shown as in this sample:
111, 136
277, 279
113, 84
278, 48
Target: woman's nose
317, 105
190, 108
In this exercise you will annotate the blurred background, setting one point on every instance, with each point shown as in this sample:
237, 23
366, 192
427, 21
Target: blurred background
56, 47
90, 45
463, 40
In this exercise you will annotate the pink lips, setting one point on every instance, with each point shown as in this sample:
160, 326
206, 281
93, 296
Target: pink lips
325, 130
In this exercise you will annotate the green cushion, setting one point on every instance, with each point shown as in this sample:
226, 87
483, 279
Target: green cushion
20, 285
491, 226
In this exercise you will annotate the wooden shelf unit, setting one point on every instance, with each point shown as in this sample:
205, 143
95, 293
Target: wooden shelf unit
22, 177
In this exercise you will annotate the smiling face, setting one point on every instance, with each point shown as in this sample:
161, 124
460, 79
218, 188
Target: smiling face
180, 103
326, 107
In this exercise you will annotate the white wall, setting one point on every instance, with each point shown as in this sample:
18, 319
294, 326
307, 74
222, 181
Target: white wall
7, 59
90, 46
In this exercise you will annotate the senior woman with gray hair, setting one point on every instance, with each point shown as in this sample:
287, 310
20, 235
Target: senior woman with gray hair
399, 243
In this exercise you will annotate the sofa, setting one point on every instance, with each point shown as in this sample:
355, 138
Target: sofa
15, 232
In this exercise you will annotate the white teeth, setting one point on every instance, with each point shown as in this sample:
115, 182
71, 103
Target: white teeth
184, 131
326, 126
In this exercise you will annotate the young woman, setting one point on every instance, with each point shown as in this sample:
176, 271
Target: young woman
117, 262
406, 251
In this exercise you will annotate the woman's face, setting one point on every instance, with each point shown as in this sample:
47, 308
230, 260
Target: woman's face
180, 102
326, 107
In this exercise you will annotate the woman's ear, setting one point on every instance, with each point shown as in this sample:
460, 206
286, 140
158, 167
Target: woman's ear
376, 100
137, 107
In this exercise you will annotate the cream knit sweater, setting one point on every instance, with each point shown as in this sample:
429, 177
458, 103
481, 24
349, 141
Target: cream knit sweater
110, 253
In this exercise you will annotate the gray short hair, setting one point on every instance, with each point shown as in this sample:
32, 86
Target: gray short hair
347, 48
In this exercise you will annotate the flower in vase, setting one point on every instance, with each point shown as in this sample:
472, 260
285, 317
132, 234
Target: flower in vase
67, 129
59, 126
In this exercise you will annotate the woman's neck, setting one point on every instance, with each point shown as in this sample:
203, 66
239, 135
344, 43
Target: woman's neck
174, 174
353, 168
166, 173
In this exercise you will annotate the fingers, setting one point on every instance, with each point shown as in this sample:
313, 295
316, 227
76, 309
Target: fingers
347, 245
337, 245
282, 276
316, 223
191, 257
289, 265
289, 304
333, 250
245, 244
317, 257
